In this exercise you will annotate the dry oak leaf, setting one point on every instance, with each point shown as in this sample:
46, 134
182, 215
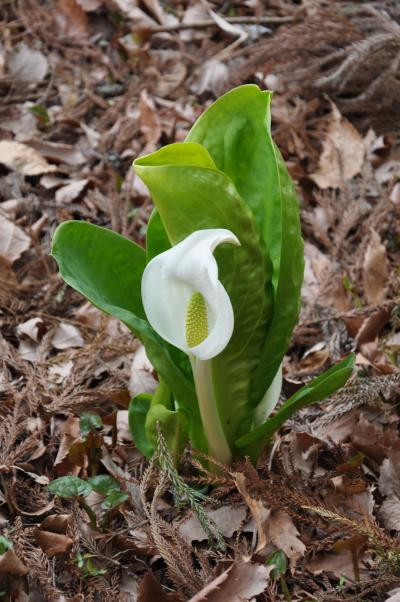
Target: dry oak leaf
70, 192
342, 155
150, 124
375, 270
34, 329
58, 151
13, 240
238, 583
260, 514
227, 518
66, 336
10, 564
141, 374
339, 564
284, 535
53, 544
23, 159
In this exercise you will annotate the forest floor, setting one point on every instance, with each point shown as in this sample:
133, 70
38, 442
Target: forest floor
88, 85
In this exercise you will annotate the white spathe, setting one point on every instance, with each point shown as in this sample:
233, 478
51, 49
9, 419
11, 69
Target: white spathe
172, 278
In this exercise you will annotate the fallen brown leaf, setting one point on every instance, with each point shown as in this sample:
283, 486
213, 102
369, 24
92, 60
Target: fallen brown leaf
258, 511
375, 270
70, 433
228, 519
342, 155
284, 535
10, 564
13, 240
70, 192
71, 19
141, 377
53, 544
239, 583
33, 328
58, 152
340, 564
56, 523
67, 336
371, 326
150, 590
23, 159
149, 120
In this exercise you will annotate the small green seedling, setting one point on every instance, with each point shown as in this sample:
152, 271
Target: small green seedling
279, 562
89, 422
85, 563
215, 295
74, 488
5, 544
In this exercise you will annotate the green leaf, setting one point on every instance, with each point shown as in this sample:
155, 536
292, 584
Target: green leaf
157, 240
5, 544
104, 484
278, 559
102, 265
107, 269
282, 229
320, 388
195, 197
138, 409
41, 114
88, 422
115, 498
174, 425
70, 487
236, 132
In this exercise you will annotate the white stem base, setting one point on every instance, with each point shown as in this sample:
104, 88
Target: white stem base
218, 446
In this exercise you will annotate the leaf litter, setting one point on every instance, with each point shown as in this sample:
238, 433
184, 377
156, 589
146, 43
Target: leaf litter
86, 87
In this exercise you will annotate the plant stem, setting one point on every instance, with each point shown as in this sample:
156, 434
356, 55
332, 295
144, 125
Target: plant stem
218, 446
89, 512
285, 589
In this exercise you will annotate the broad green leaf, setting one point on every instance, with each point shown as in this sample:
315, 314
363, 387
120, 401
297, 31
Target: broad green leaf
282, 228
115, 498
89, 421
157, 240
104, 484
70, 487
236, 132
107, 269
320, 388
104, 266
194, 197
138, 409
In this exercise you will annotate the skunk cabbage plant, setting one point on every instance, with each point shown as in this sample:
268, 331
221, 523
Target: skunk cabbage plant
215, 295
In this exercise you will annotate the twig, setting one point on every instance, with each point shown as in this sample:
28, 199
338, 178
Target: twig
212, 23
